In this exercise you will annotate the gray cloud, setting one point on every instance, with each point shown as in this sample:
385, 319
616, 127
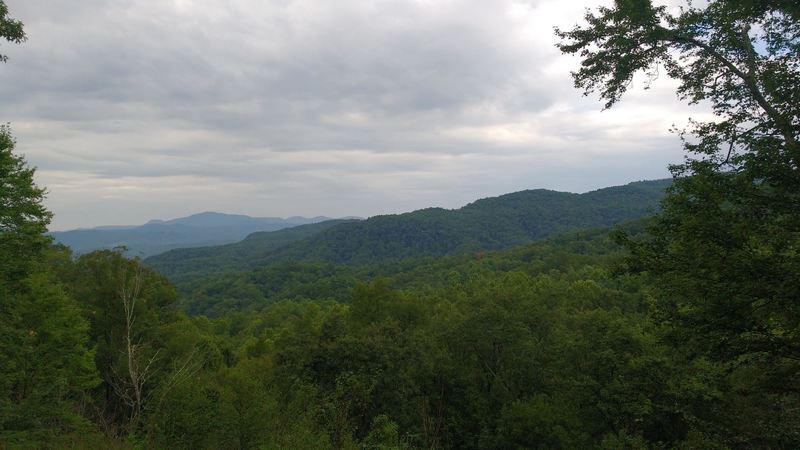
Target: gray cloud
134, 110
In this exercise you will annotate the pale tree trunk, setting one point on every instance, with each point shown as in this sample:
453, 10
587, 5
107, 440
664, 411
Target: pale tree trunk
131, 385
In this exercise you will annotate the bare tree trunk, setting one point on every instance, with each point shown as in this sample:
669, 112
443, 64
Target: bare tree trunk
133, 385
130, 387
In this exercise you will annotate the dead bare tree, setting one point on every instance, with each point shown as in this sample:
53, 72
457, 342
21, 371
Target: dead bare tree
131, 385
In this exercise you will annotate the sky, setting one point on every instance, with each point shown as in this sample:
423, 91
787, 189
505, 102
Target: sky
133, 110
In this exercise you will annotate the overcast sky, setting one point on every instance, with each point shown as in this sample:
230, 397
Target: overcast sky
137, 109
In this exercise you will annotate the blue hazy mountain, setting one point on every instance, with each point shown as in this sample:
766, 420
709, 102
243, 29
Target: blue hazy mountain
157, 236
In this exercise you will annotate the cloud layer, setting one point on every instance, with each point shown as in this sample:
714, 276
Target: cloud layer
133, 110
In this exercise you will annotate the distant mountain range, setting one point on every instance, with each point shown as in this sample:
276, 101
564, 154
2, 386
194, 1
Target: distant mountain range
158, 236
487, 224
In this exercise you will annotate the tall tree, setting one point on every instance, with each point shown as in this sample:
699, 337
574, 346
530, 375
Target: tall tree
724, 251
45, 362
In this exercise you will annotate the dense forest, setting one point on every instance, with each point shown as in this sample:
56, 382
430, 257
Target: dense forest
576, 325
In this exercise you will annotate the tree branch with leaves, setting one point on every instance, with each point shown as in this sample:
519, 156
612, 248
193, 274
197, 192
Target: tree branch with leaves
10, 29
742, 57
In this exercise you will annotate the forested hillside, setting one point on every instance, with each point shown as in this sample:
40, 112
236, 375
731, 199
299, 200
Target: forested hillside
218, 294
488, 224
185, 265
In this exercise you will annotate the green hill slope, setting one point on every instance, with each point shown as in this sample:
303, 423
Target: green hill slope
187, 264
258, 288
488, 224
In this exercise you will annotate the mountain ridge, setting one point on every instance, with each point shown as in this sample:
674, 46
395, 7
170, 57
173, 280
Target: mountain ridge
487, 224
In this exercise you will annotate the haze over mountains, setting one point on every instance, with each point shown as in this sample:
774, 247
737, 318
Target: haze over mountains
157, 236
488, 224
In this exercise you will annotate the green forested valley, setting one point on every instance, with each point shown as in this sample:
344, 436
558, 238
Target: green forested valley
651, 316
